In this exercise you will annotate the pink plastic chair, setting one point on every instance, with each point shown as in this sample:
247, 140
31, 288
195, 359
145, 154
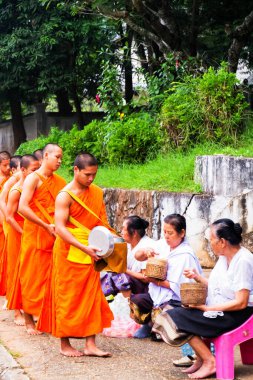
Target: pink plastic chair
224, 349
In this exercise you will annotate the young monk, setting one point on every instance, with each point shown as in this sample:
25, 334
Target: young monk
4, 176
29, 164
38, 154
37, 206
79, 307
14, 178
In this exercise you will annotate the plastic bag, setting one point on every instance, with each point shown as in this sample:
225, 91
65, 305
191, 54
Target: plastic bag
122, 326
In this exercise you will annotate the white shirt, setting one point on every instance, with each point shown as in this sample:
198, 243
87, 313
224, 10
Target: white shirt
178, 259
132, 263
225, 280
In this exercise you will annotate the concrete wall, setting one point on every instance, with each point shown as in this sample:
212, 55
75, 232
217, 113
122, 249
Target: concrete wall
200, 210
40, 123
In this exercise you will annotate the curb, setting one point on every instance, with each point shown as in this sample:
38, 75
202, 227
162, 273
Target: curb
9, 367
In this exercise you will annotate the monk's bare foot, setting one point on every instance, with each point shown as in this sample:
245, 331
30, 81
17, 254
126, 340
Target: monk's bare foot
97, 352
207, 369
67, 350
19, 319
71, 352
5, 305
31, 330
193, 368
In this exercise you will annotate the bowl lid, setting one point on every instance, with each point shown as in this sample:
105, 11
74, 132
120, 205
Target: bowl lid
101, 238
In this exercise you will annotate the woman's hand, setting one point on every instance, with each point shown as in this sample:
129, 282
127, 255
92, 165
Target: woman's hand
145, 253
193, 274
190, 273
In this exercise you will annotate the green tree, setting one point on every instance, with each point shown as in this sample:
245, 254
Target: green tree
217, 29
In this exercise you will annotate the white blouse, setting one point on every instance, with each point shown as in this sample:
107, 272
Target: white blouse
225, 280
178, 259
132, 263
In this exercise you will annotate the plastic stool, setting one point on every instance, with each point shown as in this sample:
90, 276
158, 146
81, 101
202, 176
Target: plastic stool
224, 349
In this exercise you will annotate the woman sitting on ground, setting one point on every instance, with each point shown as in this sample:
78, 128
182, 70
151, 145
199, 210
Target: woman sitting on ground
174, 248
229, 301
134, 233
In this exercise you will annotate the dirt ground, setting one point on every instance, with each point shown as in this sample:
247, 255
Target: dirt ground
38, 358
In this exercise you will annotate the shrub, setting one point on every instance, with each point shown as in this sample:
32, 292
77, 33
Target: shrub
210, 107
29, 147
138, 138
133, 139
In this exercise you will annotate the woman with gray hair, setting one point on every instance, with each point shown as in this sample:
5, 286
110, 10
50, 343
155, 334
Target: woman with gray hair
229, 301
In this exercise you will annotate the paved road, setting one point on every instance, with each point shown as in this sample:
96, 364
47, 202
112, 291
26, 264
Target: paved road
37, 358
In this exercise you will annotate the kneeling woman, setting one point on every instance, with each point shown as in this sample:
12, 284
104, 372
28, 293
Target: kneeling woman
229, 301
174, 248
134, 233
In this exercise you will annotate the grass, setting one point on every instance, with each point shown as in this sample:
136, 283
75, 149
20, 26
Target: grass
171, 172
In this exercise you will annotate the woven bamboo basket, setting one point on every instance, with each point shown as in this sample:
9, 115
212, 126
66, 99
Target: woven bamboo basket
193, 293
156, 268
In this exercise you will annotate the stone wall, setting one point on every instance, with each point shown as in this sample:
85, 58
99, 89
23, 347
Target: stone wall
200, 210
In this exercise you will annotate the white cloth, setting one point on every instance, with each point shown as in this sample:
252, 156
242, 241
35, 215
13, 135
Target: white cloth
225, 280
133, 264
178, 259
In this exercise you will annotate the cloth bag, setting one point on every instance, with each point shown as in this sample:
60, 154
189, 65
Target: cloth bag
75, 255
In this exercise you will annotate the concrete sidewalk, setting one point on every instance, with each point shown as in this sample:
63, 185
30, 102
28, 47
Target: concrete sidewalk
24, 357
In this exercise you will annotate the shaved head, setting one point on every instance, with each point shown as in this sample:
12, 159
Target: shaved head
15, 161
26, 160
83, 160
49, 148
38, 154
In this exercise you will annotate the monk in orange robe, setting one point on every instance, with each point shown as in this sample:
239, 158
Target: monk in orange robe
15, 176
37, 206
4, 176
28, 164
79, 307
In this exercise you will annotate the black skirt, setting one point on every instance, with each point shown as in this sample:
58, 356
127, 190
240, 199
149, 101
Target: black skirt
193, 322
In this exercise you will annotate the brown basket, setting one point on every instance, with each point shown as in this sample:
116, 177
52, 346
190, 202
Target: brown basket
193, 294
156, 268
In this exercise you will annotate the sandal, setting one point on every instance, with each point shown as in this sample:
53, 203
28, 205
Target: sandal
185, 361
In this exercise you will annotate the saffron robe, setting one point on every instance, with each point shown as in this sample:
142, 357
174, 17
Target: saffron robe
37, 245
79, 307
3, 254
13, 256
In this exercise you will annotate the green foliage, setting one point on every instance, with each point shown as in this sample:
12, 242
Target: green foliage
133, 139
138, 138
110, 90
210, 107
29, 147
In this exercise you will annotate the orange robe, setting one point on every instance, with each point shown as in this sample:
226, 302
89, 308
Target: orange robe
79, 308
13, 256
3, 254
37, 245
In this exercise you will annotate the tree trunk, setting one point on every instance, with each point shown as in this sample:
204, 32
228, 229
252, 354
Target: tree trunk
194, 28
64, 107
240, 38
78, 108
128, 66
19, 132
141, 53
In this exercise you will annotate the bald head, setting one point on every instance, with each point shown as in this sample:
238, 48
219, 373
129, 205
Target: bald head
27, 159
84, 160
38, 154
15, 162
50, 148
